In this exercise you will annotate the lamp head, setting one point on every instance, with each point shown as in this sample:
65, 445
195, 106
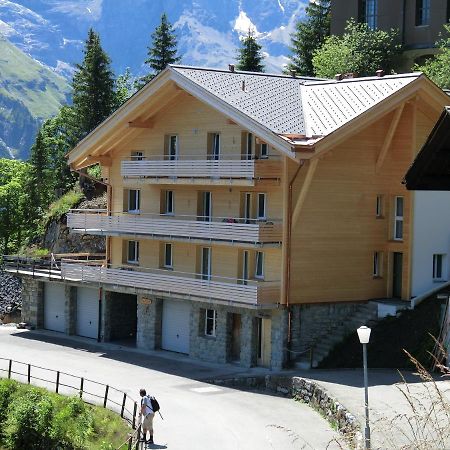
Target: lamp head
364, 334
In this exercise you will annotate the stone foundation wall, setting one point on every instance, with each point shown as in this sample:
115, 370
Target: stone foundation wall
311, 322
33, 302
149, 319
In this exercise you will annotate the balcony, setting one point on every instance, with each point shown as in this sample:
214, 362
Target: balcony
198, 170
176, 284
220, 230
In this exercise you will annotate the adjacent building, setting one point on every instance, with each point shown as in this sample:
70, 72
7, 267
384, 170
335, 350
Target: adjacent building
249, 215
419, 22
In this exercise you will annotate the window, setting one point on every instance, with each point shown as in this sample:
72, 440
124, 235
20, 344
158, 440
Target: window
168, 261
264, 150
134, 201
259, 266
245, 266
206, 263
261, 211
214, 146
168, 207
398, 219
422, 12
172, 147
205, 206
210, 322
367, 12
377, 264
137, 156
438, 263
379, 206
133, 252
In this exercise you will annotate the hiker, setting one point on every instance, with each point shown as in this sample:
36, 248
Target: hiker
147, 415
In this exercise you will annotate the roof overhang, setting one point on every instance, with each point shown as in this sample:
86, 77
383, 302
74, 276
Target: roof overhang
421, 88
116, 127
430, 170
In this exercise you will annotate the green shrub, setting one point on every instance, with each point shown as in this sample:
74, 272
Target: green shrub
7, 389
29, 422
72, 425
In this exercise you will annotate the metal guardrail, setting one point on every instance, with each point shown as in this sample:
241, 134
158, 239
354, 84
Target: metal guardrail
89, 391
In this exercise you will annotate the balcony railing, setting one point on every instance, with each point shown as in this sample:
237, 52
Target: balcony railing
220, 229
165, 282
202, 167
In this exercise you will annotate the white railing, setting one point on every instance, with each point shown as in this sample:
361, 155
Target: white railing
228, 166
218, 229
189, 168
176, 283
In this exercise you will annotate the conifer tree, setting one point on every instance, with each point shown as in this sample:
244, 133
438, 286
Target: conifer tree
250, 58
93, 86
309, 37
163, 50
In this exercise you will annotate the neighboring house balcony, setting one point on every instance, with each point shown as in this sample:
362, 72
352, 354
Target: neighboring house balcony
200, 170
220, 230
169, 283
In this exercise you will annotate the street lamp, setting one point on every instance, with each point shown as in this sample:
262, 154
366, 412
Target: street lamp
364, 336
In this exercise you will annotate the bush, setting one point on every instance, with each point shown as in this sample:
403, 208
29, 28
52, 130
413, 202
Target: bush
72, 425
7, 389
29, 422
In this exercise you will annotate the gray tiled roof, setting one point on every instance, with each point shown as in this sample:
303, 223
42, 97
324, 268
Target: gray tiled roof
304, 106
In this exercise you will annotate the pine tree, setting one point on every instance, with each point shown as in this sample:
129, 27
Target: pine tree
250, 58
309, 37
93, 86
163, 50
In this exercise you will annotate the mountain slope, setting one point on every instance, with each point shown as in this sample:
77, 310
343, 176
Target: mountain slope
29, 93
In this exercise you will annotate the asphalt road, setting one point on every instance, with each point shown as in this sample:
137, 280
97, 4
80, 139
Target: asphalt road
197, 415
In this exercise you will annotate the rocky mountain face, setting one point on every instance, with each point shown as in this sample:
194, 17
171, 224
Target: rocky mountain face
50, 34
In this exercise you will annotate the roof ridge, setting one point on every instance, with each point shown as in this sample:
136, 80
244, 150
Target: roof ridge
243, 72
359, 79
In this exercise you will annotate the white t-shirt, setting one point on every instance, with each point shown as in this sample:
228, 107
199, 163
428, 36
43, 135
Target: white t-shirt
148, 405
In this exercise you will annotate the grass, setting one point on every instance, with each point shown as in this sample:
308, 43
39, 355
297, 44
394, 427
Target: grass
107, 429
61, 206
410, 331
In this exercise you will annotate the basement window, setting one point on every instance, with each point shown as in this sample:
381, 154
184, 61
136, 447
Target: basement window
438, 267
210, 322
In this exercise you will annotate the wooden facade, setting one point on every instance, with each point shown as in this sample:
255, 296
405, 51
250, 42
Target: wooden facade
325, 210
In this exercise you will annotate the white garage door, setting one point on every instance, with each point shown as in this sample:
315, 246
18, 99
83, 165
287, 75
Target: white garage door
54, 307
175, 326
87, 312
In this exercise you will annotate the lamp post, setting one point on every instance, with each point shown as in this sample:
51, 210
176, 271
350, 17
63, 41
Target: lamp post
364, 337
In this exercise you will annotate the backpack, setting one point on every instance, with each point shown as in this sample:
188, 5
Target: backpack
155, 404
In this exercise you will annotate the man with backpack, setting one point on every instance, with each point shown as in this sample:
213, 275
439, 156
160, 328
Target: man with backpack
147, 414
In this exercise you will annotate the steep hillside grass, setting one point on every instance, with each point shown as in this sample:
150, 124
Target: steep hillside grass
38, 88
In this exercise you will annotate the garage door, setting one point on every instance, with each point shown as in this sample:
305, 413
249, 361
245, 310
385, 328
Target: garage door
175, 326
87, 312
54, 307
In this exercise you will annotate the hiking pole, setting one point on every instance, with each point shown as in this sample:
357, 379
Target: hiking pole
161, 415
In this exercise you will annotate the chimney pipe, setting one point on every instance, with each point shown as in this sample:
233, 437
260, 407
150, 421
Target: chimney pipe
293, 73
231, 67
338, 77
243, 85
379, 73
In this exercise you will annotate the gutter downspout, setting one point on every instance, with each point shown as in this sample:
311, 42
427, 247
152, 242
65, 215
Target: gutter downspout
287, 284
108, 206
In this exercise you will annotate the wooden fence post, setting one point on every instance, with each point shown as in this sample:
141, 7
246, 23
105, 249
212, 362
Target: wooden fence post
81, 387
10, 369
106, 396
130, 443
57, 382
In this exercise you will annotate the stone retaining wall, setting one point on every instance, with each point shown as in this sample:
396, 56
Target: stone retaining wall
308, 392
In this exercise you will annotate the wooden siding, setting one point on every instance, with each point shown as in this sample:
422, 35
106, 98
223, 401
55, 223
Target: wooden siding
338, 231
